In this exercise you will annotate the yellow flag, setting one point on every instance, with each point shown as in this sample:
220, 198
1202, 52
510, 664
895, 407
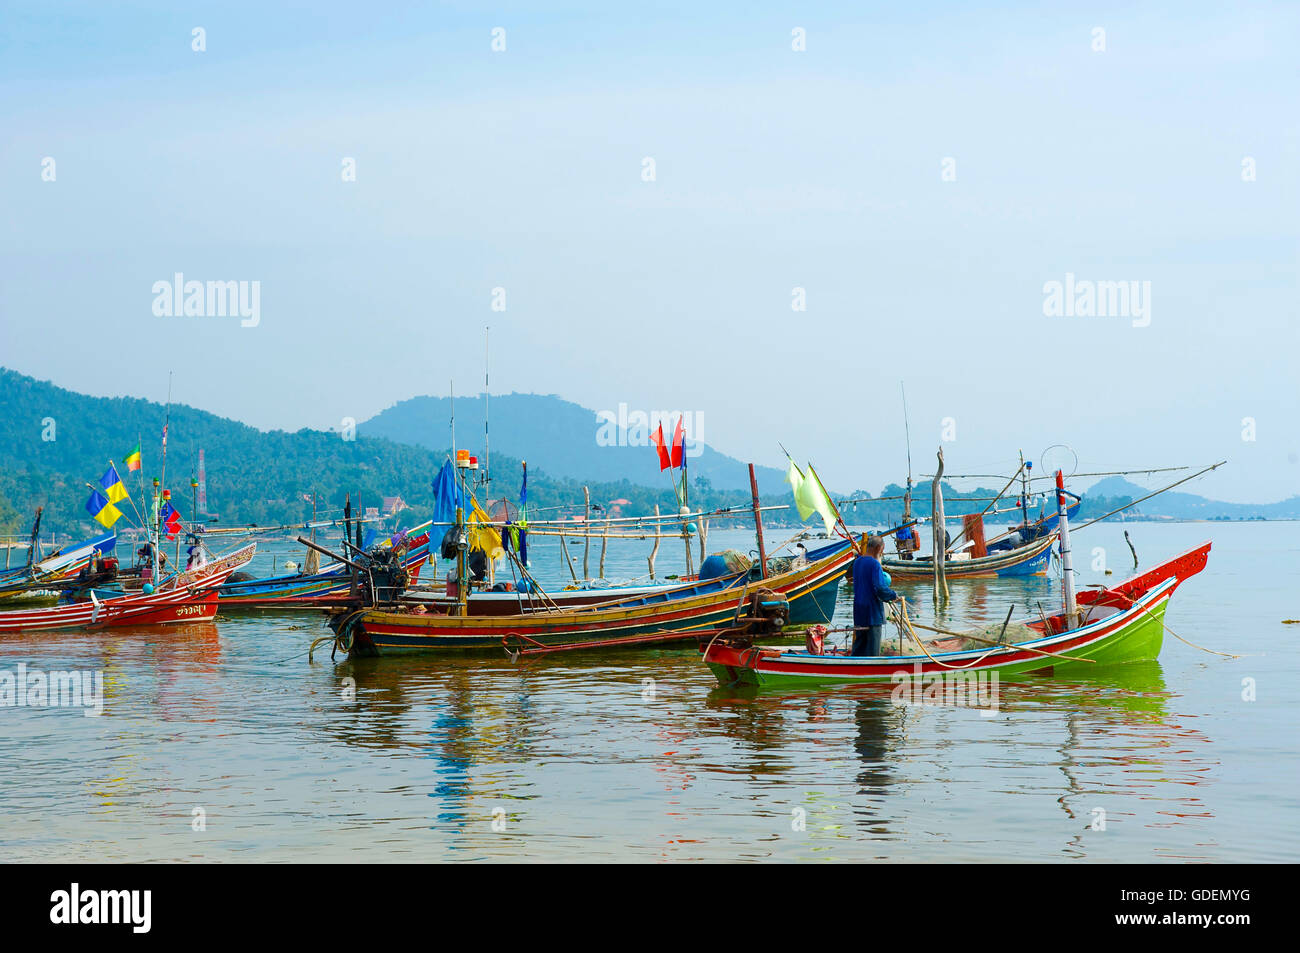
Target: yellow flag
109, 515
483, 537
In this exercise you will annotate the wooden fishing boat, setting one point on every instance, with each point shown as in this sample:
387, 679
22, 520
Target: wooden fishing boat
31, 581
190, 596
330, 588
515, 602
672, 615
1030, 559
1124, 623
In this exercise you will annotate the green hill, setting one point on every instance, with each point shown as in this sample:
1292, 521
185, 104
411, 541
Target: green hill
253, 476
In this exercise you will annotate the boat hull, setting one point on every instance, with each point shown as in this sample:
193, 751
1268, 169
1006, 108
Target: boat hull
673, 615
1123, 624
189, 597
1137, 639
325, 590
1028, 560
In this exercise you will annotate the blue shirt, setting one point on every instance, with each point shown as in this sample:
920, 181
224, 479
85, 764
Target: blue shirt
869, 591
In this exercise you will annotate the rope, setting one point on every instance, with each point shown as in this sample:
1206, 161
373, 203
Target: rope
1165, 626
900, 613
344, 629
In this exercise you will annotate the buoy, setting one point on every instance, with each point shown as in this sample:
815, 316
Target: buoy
147, 589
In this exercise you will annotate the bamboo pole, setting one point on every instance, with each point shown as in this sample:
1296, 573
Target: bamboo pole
604, 543
564, 549
758, 522
586, 533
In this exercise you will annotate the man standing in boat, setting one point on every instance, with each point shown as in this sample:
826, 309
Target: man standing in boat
870, 592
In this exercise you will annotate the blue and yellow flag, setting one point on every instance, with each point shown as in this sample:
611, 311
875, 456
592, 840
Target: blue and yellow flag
111, 484
104, 512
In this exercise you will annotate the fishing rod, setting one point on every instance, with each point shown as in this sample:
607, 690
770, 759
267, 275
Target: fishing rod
1213, 466
1002, 476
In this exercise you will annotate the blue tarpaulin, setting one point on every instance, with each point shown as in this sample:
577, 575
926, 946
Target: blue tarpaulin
446, 496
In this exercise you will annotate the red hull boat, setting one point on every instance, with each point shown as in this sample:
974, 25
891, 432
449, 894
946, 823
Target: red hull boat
189, 597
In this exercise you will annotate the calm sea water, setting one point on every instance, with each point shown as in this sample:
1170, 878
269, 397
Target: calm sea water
641, 756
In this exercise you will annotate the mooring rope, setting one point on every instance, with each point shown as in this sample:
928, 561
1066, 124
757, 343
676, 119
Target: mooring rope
1165, 625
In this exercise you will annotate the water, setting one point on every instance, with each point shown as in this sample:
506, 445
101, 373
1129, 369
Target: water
227, 727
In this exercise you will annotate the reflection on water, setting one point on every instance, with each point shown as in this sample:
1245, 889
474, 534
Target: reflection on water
639, 755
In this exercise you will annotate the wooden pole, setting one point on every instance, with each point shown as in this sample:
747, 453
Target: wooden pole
586, 533
1067, 564
1131, 549
937, 527
462, 580
654, 551
564, 548
604, 543
758, 521
860, 550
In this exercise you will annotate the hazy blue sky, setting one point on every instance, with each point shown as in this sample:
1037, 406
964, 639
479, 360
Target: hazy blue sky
775, 169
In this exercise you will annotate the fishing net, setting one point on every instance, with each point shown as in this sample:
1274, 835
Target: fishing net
984, 637
724, 564
1015, 633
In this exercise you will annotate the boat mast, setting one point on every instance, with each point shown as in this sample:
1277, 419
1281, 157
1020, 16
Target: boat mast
1067, 565
462, 603
162, 476
487, 442
907, 432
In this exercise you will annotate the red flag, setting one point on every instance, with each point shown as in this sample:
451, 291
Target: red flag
657, 437
171, 519
679, 444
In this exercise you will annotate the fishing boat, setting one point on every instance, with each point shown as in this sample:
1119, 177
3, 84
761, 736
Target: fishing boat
36, 580
190, 596
676, 614
1124, 623
511, 598
67, 561
1031, 559
329, 588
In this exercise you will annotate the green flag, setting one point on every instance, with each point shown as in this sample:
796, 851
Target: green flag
809, 495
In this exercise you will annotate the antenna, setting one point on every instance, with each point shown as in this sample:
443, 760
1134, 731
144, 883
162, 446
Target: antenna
908, 434
487, 442
451, 391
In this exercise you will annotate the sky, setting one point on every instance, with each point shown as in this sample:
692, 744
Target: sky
922, 172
